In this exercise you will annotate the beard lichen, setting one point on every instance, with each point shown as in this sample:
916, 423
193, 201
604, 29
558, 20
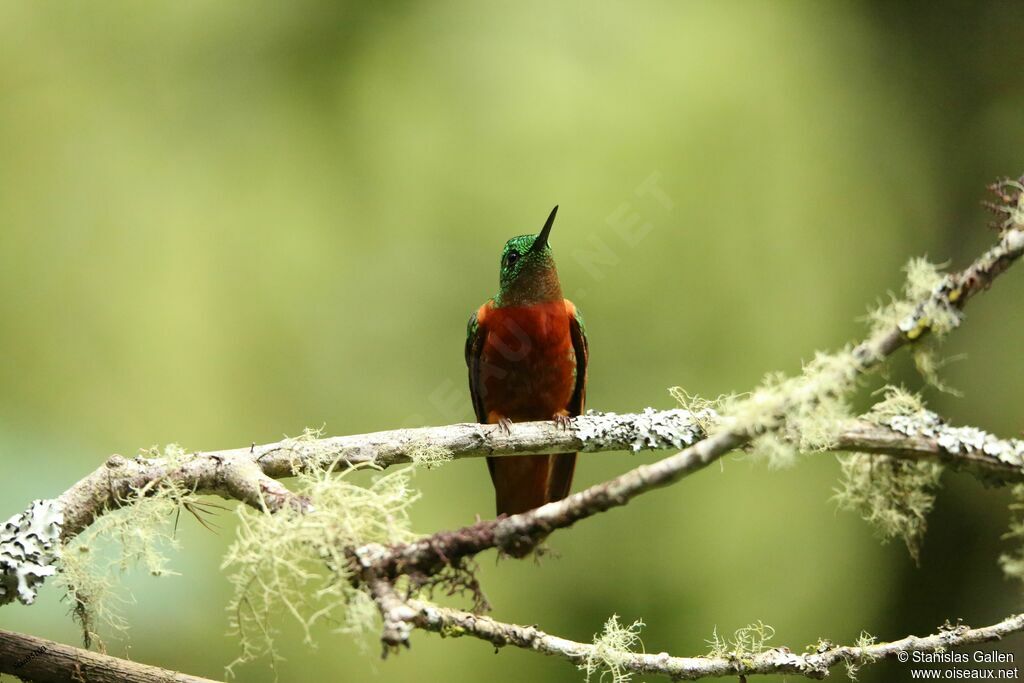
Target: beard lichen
140, 533
923, 280
897, 402
745, 643
864, 641
1013, 563
893, 495
704, 411
429, 456
788, 415
295, 563
919, 311
785, 415
612, 647
929, 364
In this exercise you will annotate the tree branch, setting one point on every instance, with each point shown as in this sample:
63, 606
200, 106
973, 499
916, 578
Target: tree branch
45, 661
778, 660
248, 474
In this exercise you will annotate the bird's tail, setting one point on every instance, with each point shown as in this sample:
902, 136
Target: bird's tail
525, 482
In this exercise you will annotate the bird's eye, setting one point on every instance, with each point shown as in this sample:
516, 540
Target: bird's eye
511, 258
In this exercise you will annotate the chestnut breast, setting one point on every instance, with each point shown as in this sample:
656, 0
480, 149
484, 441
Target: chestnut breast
528, 366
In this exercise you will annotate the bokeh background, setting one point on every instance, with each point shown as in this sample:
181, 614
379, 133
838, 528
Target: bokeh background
222, 222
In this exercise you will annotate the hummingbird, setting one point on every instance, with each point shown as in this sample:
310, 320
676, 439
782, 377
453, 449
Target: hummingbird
526, 350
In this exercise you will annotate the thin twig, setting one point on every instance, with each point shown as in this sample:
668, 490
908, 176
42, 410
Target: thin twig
779, 660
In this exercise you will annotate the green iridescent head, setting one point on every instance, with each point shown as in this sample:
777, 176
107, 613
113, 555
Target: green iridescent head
528, 272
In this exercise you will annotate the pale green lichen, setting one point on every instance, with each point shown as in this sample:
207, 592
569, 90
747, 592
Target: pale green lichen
745, 643
429, 456
786, 415
1013, 563
923, 277
1012, 206
141, 533
307, 451
777, 452
928, 364
886, 316
897, 401
172, 454
293, 563
805, 412
894, 496
704, 410
612, 647
752, 639
925, 305
864, 641
718, 646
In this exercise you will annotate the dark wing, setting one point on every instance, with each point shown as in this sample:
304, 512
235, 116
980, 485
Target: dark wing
475, 335
578, 332
564, 464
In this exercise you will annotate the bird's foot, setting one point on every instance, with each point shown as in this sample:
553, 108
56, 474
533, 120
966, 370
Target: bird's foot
504, 426
562, 421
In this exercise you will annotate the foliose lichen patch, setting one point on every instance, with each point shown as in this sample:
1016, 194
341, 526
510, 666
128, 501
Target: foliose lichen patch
650, 429
29, 550
957, 439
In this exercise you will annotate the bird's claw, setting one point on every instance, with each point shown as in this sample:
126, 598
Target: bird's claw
504, 426
562, 421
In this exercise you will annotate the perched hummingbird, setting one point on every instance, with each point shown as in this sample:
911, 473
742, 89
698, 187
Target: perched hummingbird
526, 350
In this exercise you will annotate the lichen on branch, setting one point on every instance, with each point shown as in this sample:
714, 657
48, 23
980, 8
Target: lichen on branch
612, 649
894, 496
296, 563
140, 532
29, 550
1013, 562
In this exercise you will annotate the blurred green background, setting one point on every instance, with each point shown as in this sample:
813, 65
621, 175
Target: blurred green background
222, 222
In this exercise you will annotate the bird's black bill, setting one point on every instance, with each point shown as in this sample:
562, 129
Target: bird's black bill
542, 238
